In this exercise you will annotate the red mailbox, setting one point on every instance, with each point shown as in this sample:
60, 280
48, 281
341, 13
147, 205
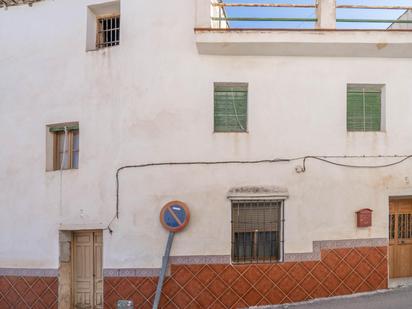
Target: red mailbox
364, 217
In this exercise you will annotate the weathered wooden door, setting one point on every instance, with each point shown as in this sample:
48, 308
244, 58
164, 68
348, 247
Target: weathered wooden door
400, 238
87, 270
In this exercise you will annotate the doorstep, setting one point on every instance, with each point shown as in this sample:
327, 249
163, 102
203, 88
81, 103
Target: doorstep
398, 282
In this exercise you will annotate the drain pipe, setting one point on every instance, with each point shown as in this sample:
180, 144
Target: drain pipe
165, 263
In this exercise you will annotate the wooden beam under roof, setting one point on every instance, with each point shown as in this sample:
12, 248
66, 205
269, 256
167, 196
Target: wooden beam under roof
7, 3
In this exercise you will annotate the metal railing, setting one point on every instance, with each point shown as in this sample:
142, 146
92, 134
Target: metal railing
360, 7
229, 18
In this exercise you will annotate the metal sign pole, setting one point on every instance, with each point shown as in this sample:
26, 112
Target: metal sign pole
165, 263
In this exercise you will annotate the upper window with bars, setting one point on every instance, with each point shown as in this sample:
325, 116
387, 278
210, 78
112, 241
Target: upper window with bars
364, 108
257, 229
108, 31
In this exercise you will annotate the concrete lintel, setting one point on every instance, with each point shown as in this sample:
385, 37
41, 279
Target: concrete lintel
314, 43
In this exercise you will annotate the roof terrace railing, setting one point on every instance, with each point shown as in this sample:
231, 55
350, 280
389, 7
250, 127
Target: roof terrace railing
325, 15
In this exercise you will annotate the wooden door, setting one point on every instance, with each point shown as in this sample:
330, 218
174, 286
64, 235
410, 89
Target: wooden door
98, 270
87, 270
400, 238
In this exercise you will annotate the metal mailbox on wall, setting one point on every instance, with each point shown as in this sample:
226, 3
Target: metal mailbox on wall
364, 217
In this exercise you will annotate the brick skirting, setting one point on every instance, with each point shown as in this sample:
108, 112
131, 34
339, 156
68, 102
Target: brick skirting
28, 292
339, 271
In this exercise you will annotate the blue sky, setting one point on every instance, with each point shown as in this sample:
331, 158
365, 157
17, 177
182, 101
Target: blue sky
310, 13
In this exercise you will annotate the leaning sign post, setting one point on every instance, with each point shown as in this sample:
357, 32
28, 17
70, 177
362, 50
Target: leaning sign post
174, 217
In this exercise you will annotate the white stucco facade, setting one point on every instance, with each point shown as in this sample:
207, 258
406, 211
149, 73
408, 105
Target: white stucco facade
150, 99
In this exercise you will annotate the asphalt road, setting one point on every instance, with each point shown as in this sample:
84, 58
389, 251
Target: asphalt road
400, 298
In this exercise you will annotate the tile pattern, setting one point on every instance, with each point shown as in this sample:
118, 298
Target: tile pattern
28, 292
339, 271
29, 272
334, 244
225, 259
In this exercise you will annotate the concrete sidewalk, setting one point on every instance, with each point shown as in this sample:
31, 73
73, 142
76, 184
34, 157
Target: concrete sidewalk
399, 298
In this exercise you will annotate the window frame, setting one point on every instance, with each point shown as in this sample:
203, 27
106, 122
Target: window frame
101, 44
367, 88
233, 85
255, 259
56, 153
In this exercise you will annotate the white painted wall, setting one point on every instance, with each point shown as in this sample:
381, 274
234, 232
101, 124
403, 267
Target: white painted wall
150, 100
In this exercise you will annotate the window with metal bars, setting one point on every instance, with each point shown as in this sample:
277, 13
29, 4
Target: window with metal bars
257, 231
108, 31
364, 108
230, 107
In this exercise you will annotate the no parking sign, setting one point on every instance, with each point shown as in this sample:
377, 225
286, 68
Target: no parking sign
174, 216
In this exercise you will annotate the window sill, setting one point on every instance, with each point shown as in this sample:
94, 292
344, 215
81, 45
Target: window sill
70, 170
365, 132
101, 49
317, 43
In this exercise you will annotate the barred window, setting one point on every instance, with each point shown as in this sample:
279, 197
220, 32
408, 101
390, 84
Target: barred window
257, 229
108, 31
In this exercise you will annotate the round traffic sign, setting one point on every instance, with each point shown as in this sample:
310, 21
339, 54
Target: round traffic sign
174, 216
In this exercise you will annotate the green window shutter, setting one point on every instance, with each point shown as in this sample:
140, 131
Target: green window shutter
372, 111
363, 110
230, 108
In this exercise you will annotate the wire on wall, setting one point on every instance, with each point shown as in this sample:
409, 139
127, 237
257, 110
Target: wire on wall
304, 159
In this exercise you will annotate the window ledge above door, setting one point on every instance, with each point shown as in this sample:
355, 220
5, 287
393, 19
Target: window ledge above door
258, 192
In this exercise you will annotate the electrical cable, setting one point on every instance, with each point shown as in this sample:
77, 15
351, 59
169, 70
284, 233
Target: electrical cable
277, 160
234, 107
404, 158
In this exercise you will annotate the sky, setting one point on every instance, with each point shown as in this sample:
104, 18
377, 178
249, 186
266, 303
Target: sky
310, 13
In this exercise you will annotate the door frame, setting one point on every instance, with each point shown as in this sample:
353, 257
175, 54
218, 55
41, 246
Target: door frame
390, 258
73, 296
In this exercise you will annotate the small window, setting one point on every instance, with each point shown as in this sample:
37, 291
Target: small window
364, 108
65, 147
230, 107
103, 25
108, 31
256, 231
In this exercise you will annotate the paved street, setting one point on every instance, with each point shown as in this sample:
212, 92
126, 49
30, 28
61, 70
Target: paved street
400, 298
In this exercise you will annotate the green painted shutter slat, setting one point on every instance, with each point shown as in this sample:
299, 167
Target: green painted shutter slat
355, 114
363, 111
60, 129
372, 111
230, 108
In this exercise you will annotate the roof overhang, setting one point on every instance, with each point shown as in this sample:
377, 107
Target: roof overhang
7, 3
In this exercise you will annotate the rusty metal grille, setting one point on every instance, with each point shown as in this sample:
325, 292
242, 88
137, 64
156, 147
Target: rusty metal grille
391, 226
404, 226
108, 33
257, 228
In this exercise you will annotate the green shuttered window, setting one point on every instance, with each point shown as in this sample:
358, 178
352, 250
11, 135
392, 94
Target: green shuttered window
230, 107
364, 109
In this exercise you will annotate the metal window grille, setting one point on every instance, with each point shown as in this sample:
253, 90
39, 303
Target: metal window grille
108, 32
257, 231
404, 226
